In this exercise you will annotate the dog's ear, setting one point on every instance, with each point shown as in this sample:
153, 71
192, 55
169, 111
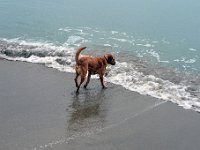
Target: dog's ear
110, 59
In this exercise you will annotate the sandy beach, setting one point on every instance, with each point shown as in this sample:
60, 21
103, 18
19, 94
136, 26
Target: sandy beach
39, 110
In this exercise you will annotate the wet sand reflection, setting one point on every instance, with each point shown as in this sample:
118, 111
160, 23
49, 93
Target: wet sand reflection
87, 112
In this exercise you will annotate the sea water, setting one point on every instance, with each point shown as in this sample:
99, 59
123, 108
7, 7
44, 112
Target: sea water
156, 43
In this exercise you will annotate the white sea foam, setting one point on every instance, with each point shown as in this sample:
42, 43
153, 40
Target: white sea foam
114, 32
145, 45
120, 40
191, 61
66, 29
192, 49
156, 55
74, 40
187, 61
107, 45
150, 85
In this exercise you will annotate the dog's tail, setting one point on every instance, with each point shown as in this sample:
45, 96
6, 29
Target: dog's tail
78, 53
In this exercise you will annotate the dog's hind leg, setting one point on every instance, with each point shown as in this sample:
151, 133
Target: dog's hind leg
82, 80
88, 80
83, 73
75, 79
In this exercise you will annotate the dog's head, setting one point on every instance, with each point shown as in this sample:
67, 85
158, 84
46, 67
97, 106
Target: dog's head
110, 59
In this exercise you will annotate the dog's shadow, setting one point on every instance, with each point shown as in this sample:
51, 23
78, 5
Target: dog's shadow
87, 110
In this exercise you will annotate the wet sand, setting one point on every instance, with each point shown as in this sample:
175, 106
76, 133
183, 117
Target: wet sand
39, 109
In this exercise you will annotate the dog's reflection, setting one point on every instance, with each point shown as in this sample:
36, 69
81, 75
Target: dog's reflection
86, 111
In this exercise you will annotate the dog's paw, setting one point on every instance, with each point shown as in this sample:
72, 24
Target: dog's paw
104, 87
77, 92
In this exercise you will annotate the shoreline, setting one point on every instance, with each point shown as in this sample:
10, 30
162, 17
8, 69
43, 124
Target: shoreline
39, 107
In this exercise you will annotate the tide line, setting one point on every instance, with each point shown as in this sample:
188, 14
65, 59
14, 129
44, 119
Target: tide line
64, 140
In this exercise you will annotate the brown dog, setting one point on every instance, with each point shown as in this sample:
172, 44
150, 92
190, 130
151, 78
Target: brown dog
92, 65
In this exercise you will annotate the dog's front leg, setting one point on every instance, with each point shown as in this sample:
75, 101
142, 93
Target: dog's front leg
102, 81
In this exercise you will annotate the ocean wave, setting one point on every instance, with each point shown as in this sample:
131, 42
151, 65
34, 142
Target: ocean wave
146, 45
192, 49
124, 74
156, 55
130, 72
183, 59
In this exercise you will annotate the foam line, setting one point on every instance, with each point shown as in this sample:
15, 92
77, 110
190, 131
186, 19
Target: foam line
63, 140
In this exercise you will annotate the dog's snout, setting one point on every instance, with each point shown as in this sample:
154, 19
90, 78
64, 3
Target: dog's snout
113, 62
